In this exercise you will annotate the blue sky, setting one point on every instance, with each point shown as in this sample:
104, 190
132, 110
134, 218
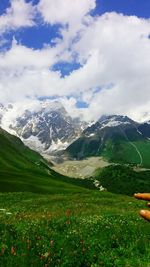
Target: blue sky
68, 49
138, 8
41, 34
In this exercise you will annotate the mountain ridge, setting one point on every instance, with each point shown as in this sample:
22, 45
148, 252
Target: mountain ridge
47, 128
116, 137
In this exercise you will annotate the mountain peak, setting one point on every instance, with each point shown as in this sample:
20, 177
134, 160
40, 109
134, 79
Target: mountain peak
114, 120
47, 127
51, 104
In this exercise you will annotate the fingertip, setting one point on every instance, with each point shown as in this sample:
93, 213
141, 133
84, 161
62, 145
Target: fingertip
145, 214
142, 212
137, 195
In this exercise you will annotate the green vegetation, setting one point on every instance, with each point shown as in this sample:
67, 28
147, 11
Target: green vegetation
123, 180
22, 169
49, 220
117, 148
121, 151
91, 229
84, 147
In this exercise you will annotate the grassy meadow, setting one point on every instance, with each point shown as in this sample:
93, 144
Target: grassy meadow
49, 220
73, 230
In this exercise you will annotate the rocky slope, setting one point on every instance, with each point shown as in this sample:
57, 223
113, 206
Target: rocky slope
48, 128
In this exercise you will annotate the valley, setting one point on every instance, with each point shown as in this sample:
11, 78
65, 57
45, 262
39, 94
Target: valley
80, 168
75, 207
74, 133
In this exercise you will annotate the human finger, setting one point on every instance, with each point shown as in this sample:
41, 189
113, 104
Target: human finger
145, 214
144, 196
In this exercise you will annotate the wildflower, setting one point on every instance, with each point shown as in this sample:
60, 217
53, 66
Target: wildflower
52, 242
83, 249
47, 254
13, 251
68, 213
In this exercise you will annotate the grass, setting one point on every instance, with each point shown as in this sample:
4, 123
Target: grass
49, 220
120, 151
116, 147
144, 148
22, 169
89, 229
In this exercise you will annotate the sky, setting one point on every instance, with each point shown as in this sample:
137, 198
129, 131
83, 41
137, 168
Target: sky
93, 56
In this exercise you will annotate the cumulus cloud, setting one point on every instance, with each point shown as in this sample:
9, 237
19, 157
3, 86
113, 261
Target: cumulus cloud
117, 63
65, 12
113, 51
19, 14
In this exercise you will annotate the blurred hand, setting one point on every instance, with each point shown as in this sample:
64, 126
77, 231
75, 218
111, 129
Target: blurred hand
144, 196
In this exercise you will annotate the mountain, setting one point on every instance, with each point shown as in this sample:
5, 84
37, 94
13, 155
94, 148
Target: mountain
144, 128
48, 128
117, 138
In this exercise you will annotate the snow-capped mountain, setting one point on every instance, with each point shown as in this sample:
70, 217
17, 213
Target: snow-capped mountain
48, 128
114, 137
144, 128
110, 122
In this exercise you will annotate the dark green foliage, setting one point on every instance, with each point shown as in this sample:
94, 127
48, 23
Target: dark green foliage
123, 180
84, 147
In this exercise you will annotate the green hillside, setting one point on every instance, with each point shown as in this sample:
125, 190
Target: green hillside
65, 224
123, 180
22, 169
115, 148
122, 151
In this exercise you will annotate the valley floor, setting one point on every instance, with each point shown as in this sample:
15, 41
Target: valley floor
81, 168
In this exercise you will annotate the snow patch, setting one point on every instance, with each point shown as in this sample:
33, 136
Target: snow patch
59, 145
139, 132
113, 123
34, 143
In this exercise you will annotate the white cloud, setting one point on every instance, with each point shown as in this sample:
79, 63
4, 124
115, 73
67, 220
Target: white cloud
72, 16
114, 53
19, 14
65, 12
117, 54
20, 58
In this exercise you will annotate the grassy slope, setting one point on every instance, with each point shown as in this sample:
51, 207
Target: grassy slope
80, 228
117, 148
124, 152
123, 180
22, 169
